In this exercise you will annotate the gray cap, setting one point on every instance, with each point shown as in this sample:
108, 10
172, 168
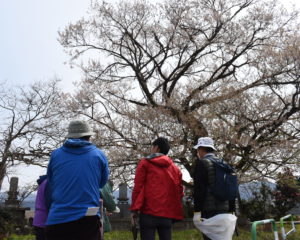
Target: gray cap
78, 129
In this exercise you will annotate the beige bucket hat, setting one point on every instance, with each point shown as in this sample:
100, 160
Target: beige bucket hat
78, 129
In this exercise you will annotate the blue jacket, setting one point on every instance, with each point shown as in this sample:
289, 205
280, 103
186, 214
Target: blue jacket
76, 172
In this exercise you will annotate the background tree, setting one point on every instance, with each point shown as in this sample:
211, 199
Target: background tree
30, 120
185, 69
259, 205
25, 191
287, 193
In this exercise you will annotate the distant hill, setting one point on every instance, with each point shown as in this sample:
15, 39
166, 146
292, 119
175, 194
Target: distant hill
247, 189
28, 202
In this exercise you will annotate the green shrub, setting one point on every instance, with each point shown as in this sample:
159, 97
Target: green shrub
6, 222
260, 205
287, 193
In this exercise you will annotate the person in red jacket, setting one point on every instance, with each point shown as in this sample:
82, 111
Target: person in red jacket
157, 193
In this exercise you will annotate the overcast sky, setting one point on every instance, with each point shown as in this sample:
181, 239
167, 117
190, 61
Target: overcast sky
29, 50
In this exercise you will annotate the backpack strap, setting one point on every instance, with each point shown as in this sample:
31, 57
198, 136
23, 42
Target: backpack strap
225, 165
214, 159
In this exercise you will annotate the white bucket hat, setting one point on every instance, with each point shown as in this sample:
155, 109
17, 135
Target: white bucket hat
205, 142
78, 129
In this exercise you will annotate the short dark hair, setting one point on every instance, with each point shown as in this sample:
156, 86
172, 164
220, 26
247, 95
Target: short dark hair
163, 145
86, 138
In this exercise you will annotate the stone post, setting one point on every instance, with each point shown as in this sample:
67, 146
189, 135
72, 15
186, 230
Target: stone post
12, 200
123, 201
12, 205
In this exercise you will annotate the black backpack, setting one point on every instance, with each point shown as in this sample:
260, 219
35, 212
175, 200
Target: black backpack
225, 187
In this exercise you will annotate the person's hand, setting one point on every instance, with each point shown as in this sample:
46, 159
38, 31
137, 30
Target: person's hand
197, 218
108, 213
133, 217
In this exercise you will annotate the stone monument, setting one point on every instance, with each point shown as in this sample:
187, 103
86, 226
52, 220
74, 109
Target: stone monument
12, 205
123, 201
12, 200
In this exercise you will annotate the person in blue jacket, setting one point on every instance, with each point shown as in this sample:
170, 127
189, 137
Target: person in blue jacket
76, 172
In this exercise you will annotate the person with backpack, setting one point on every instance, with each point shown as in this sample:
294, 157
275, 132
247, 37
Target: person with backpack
215, 184
157, 193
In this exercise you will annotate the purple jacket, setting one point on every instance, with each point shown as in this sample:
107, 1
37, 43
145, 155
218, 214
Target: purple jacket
41, 211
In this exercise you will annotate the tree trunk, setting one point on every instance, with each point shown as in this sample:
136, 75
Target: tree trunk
2, 173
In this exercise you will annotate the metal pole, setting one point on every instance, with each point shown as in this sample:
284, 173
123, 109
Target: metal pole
275, 230
284, 234
254, 225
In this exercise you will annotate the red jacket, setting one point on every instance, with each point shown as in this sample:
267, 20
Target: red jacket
158, 188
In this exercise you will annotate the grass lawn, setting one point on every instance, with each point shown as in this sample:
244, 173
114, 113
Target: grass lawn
181, 235
195, 235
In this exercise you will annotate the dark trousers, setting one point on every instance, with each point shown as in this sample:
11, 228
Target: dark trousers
149, 224
39, 233
209, 215
86, 228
